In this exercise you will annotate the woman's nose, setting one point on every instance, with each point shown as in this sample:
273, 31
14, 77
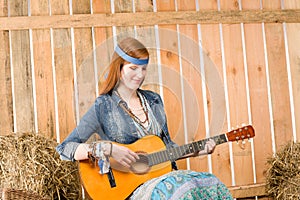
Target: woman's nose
140, 72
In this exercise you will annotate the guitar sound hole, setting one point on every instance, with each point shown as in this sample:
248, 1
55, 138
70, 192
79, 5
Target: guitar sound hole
141, 166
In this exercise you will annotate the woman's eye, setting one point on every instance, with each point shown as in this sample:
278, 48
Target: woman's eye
133, 67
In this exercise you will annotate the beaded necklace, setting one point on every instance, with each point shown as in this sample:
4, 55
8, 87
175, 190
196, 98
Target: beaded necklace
131, 114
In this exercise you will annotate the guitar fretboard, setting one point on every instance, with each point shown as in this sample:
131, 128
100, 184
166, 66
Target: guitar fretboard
172, 154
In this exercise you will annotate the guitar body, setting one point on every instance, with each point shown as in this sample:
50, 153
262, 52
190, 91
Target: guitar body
97, 185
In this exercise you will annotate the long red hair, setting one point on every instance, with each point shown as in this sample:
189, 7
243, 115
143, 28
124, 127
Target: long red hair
131, 47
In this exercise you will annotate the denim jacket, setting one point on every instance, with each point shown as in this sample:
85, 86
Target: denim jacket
107, 118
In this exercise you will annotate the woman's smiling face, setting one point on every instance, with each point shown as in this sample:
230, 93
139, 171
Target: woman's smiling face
132, 76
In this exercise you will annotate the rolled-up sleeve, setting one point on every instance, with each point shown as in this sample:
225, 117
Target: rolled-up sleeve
88, 125
67, 150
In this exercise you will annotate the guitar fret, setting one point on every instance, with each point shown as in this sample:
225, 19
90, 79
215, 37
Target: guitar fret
189, 148
153, 158
166, 155
176, 155
194, 147
150, 160
163, 156
186, 149
178, 151
221, 139
171, 154
200, 146
158, 156
181, 151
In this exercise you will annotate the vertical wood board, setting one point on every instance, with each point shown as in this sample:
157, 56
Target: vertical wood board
278, 79
103, 41
22, 72
237, 95
6, 107
63, 64
147, 35
258, 88
121, 7
44, 83
293, 32
211, 44
85, 74
171, 77
192, 85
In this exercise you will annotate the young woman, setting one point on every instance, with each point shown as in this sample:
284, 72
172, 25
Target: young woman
124, 113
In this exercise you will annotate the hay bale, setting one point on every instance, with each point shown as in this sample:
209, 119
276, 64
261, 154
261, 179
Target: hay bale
30, 162
283, 175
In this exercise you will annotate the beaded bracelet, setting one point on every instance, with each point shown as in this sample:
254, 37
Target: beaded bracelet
91, 154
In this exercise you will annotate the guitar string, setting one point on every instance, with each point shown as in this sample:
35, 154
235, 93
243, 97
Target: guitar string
162, 156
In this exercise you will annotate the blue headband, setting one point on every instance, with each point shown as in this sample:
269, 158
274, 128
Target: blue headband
130, 59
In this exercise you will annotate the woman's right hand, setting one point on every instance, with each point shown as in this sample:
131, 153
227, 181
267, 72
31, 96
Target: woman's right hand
123, 155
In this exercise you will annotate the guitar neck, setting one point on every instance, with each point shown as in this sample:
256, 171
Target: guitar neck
174, 153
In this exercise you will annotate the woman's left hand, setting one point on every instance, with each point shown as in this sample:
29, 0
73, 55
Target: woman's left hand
209, 148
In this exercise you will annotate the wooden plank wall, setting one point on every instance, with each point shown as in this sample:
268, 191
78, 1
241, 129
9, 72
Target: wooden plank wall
212, 77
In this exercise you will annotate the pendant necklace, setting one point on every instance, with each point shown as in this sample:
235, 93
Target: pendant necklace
131, 114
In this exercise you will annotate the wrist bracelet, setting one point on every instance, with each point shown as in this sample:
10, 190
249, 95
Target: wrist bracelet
111, 146
91, 157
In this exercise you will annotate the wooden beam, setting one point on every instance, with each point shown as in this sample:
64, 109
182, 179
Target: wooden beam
150, 18
248, 190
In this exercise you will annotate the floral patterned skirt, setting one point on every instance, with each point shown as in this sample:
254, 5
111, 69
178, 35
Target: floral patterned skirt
183, 184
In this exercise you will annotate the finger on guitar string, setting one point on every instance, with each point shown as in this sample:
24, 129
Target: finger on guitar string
135, 155
131, 158
124, 155
210, 146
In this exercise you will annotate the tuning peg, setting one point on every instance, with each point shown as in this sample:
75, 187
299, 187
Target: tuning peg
237, 138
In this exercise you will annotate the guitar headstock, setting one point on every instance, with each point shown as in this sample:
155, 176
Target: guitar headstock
245, 132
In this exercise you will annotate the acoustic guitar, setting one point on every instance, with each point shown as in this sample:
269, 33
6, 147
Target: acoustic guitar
154, 161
